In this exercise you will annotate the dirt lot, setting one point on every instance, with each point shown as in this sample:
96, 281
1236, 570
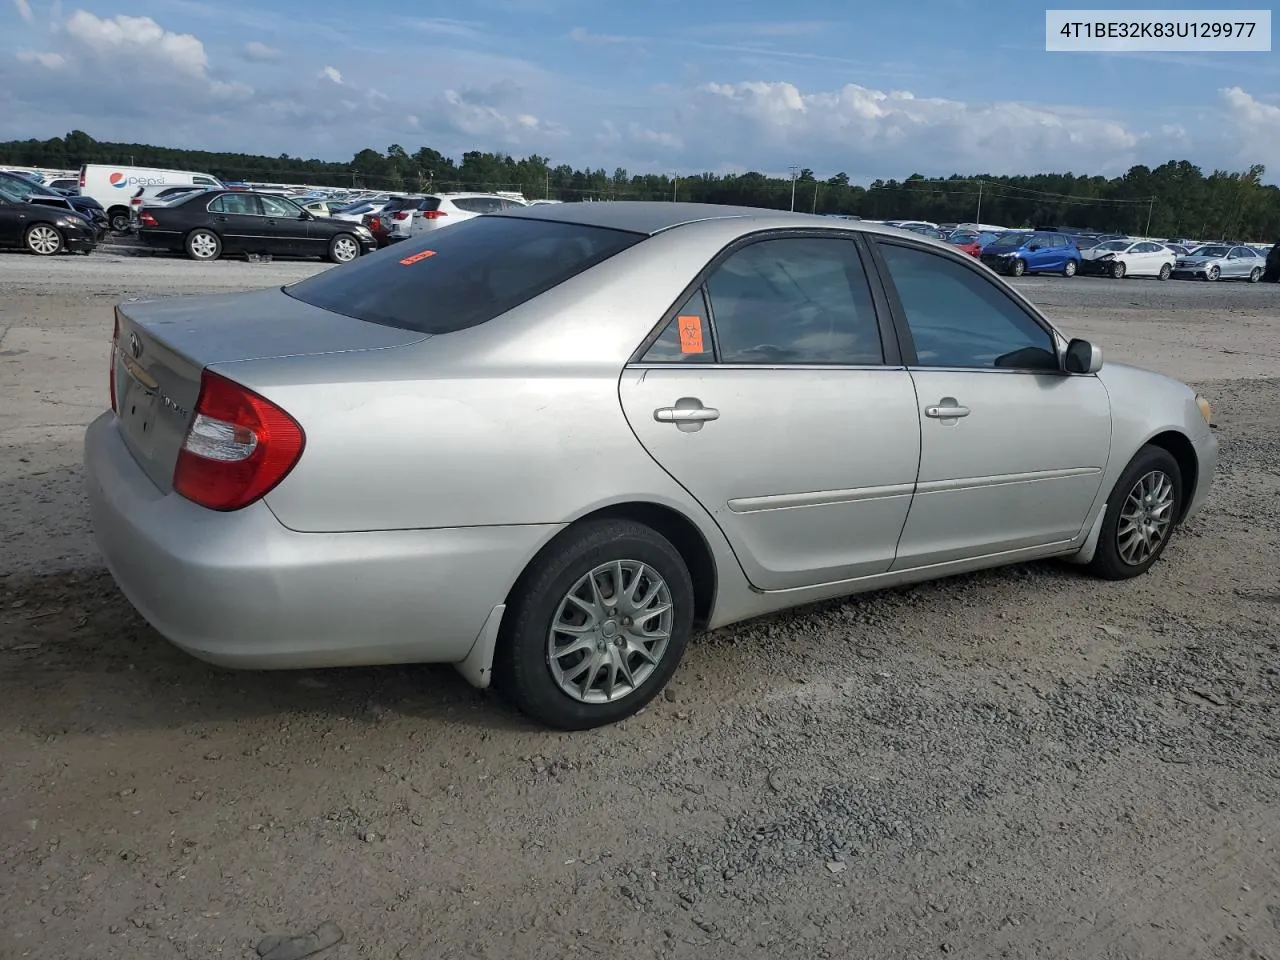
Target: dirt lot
1025, 763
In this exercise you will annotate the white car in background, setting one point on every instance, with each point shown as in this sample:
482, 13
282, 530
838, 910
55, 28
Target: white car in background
1129, 258
439, 210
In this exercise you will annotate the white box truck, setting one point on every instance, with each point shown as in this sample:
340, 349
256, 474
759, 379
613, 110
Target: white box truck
113, 186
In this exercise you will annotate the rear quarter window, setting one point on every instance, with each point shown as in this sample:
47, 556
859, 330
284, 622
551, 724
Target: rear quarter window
463, 276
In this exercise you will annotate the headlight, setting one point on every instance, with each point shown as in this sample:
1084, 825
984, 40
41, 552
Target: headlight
1205, 411
1107, 256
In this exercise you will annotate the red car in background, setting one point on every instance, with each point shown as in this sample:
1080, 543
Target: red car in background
968, 242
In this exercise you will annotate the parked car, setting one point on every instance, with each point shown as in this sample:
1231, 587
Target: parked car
1271, 272
519, 445
92, 211
1032, 251
356, 212
439, 210
1218, 262
209, 224
42, 229
32, 189
968, 242
1137, 258
112, 186
317, 207
398, 215
151, 196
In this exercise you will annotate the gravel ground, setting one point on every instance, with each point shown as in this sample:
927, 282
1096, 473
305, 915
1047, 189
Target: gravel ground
1022, 763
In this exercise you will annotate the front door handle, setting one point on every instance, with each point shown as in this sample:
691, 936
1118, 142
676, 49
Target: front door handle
948, 409
687, 414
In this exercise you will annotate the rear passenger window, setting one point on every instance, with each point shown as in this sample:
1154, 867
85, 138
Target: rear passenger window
794, 300
687, 338
479, 204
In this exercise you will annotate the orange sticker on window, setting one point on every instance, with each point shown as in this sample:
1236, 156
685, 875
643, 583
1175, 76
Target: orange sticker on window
690, 334
421, 255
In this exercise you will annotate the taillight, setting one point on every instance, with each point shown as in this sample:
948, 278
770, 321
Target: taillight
238, 447
147, 220
82, 178
433, 214
115, 335
375, 224
401, 215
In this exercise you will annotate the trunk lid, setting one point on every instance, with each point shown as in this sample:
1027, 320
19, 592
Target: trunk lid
163, 346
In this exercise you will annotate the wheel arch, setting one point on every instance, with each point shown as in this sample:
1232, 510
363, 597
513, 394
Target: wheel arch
1180, 447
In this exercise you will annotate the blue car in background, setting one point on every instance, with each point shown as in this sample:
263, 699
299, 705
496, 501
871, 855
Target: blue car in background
1032, 251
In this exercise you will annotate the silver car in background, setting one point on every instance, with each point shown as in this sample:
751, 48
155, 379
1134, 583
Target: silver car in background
1219, 261
548, 444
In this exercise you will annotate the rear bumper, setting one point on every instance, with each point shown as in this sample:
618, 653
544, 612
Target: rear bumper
241, 590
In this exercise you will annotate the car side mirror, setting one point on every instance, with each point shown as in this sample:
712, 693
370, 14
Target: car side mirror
1083, 357
307, 215
1034, 247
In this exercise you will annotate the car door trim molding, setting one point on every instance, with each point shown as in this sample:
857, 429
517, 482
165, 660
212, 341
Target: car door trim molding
889, 339
977, 483
819, 498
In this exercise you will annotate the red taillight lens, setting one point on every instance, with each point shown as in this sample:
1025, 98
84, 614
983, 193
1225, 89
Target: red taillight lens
147, 220
238, 447
111, 380
433, 214
375, 224
82, 178
401, 215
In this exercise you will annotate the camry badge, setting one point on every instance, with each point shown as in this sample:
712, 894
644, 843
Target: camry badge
135, 345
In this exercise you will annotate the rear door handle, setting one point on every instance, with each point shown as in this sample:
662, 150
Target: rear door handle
677, 415
947, 411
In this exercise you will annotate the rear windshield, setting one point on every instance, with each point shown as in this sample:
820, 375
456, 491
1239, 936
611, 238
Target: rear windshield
463, 275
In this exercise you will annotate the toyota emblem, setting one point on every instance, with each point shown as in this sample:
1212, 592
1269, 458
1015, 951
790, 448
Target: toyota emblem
135, 345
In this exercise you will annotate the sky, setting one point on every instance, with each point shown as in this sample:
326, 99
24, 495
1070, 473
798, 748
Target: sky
874, 90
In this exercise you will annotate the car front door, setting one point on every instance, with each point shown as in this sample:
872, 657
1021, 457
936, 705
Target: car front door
774, 395
1012, 450
288, 230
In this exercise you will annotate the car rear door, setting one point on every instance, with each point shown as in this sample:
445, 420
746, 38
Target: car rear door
1012, 449
774, 395
237, 219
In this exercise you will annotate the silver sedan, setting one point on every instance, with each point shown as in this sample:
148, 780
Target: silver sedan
547, 445
1218, 261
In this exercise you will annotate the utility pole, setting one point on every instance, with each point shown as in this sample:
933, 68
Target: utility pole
794, 174
979, 217
1151, 202
816, 185
548, 192
675, 182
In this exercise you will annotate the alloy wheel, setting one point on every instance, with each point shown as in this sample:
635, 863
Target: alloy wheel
345, 250
204, 246
43, 240
610, 631
1146, 517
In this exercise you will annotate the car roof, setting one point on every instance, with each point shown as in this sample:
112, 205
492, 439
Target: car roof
654, 216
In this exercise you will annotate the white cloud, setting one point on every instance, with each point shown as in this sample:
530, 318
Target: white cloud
896, 130
259, 52
332, 73
582, 35
50, 61
1256, 125
24, 10
122, 36
444, 26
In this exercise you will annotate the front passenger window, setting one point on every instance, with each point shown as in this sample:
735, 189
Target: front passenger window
958, 318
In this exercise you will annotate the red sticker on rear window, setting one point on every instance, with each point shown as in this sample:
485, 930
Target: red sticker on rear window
414, 258
690, 334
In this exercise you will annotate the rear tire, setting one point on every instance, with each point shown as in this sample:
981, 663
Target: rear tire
1166, 271
1070, 269
1142, 513
119, 218
203, 245
1255, 275
554, 689
43, 239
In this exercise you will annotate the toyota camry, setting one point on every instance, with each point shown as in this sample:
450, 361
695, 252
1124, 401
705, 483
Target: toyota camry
549, 444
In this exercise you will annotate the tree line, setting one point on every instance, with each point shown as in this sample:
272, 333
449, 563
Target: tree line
1174, 199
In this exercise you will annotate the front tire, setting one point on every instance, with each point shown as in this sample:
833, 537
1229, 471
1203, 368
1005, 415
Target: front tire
343, 248
1070, 269
1142, 512
119, 218
203, 245
1018, 268
43, 239
1117, 270
1213, 273
596, 626
1166, 271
